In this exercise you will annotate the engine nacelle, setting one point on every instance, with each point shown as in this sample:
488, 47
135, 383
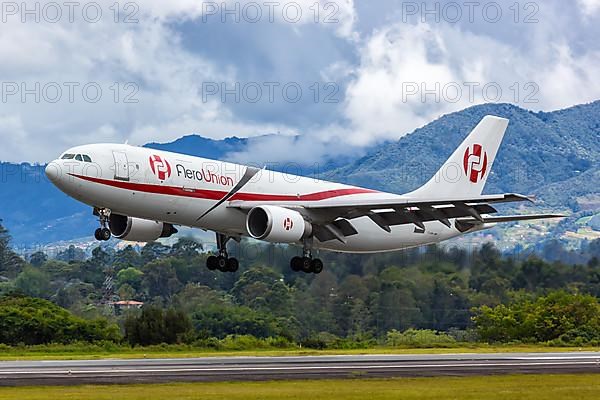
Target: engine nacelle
277, 224
137, 229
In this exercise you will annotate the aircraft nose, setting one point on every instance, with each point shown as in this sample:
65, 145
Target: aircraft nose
52, 172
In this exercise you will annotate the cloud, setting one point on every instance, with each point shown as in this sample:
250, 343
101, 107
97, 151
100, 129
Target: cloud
375, 59
149, 86
410, 74
590, 7
150, 82
306, 151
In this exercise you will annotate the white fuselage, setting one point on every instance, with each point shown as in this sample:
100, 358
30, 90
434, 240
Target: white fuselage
179, 189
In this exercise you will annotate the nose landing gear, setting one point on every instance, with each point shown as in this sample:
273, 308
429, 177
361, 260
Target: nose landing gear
102, 233
222, 262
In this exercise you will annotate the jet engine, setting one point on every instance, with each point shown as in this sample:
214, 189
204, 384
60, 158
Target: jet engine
277, 224
137, 229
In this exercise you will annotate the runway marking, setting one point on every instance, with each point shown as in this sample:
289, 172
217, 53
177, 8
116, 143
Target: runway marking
298, 368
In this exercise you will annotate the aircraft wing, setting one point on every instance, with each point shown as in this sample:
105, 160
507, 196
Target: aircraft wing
332, 219
340, 204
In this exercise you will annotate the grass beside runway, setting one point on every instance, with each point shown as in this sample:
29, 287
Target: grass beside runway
67, 352
522, 387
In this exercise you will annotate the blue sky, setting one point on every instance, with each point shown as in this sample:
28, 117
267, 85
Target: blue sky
367, 71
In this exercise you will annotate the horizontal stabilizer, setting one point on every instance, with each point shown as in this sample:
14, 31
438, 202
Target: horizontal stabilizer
512, 218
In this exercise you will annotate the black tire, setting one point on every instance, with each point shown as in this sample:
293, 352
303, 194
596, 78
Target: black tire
306, 265
212, 263
105, 234
222, 264
317, 266
97, 234
233, 264
296, 264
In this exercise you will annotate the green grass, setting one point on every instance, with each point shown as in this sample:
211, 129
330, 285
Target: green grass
522, 387
75, 352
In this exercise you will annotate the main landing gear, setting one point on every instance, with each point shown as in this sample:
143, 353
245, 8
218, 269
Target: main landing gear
102, 233
222, 262
307, 263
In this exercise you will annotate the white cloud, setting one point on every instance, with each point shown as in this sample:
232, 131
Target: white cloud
590, 7
155, 55
166, 81
11, 129
442, 64
167, 78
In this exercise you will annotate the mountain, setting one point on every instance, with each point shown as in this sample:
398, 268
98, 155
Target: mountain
195, 145
553, 155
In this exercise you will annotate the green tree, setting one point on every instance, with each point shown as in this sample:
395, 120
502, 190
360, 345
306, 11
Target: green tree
38, 258
155, 326
127, 257
71, 254
92, 269
73, 292
153, 251
536, 274
559, 315
185, 248
177, 323
263, 289
160, 279
126, 292
147, 328
36, 321
131, 276
33, 282
223, 320
10, 263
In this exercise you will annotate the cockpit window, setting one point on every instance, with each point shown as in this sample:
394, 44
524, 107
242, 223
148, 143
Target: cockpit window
78, 157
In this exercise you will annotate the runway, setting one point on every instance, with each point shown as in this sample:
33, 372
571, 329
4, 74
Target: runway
305, 367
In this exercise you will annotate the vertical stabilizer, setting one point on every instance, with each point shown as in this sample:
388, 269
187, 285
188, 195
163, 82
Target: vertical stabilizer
465, 173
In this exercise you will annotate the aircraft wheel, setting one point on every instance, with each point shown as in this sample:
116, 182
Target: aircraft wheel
317, 266
105, 234
233, 264
97, 234
212, 263
306, 265
222, 264
296, 264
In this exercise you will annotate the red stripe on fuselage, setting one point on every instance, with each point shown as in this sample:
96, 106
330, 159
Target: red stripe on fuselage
209, 194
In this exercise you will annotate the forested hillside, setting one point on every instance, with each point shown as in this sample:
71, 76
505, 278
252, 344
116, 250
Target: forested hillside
555, 155
356, 300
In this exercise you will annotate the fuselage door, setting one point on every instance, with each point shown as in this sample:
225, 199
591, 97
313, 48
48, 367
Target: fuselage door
121, 166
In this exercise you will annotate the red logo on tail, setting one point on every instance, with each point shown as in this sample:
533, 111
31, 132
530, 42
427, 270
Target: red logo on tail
475, 163
160, 167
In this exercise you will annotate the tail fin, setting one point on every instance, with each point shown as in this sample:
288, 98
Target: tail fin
467, 169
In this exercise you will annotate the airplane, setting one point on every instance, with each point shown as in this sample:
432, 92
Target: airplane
141, 194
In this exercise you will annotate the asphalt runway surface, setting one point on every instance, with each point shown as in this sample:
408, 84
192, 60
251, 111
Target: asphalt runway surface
304, 367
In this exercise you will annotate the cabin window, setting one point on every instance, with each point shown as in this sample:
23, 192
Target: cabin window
68, 156
86, 158
78, 157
